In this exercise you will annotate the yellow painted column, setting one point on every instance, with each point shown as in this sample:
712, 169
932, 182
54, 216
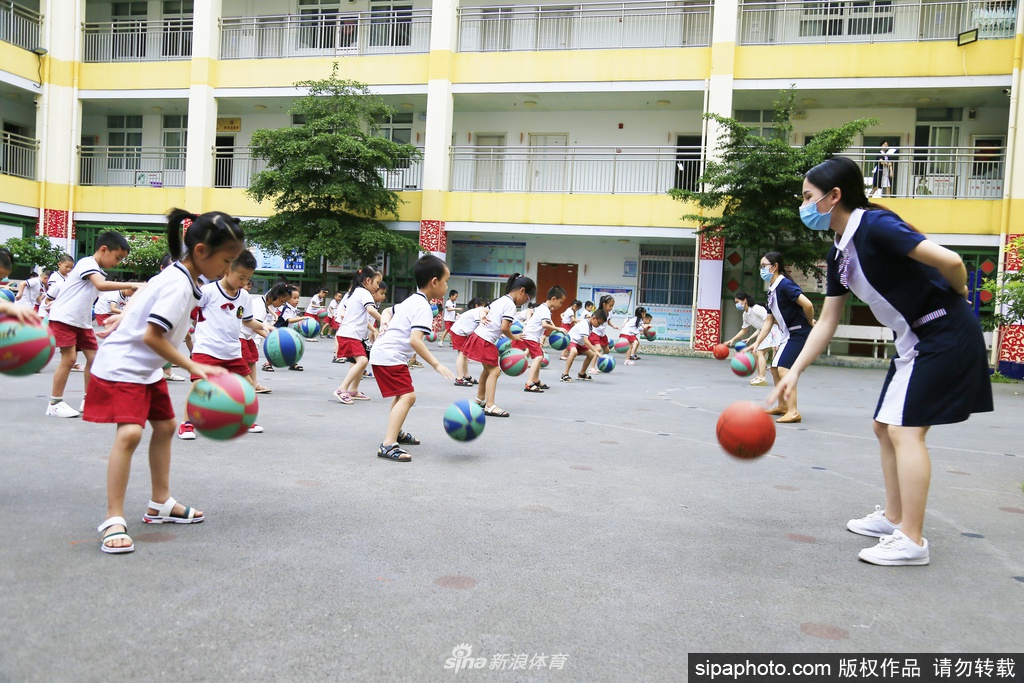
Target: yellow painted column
202, 106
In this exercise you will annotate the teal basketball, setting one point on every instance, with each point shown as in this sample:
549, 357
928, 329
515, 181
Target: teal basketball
516, 327
434, 310
743, 364
8, 295
559, 341
430, 338
464, 420
544, 359
514, 362
503, 344
621, 346
740, 345
283, 347
650, 334
222, 407
307, 327
606, 363
25, 349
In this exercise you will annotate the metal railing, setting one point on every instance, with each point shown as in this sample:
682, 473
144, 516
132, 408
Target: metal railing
236, 166
18, 155
575, 170
325, 35
944, 172
132, 166
871, 21
133, 40
592, 25
19, 25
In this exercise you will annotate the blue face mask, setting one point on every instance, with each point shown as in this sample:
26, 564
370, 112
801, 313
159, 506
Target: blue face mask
814, 220
739, 307
766, 274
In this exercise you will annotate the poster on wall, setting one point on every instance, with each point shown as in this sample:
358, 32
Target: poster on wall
293, 262
672, 323
623, 297
808, 281
487, 259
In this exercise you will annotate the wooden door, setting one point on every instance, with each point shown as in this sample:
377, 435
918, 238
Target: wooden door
562, 274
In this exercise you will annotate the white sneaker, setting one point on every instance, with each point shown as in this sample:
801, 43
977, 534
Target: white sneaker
759, 382
440, 344
255, 429
896, 551
876, 524
174, 378
61, 409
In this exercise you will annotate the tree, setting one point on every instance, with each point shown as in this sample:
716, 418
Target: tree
34, 251
325, 176
752, 193
1007, 292
146, 251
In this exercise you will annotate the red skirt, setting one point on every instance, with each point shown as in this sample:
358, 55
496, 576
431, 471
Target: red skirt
479, 349
393, 380
598, 339
458, 341
350, 348
127, 403
531, 347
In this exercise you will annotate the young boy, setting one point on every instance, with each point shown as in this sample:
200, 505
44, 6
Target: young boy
71, 315
317, 304
579, 342
400, 341
110, 303
569, 319
224, 308
288, 315
451, 312
57, 278
534, 330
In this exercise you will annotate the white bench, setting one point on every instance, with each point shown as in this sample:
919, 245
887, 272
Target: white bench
875, 335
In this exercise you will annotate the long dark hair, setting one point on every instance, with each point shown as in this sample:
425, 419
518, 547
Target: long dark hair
743, 296
845, 174
639, 313
366, 271
775, 258
213, 228
520, 281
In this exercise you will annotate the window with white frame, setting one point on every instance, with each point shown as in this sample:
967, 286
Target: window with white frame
175, 141
666, 274
760, 121
124, 136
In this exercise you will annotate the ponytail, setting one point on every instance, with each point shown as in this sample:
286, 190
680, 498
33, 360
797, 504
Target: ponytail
213, 228
366, 271
639, 313
6, 259
520, 281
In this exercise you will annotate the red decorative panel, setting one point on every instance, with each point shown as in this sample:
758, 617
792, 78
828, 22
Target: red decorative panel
1012, 259
438, 324
1011, 345
711, 248
433, 236
706, 329
55, 224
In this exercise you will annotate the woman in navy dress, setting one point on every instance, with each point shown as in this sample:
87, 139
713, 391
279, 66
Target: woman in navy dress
940, 372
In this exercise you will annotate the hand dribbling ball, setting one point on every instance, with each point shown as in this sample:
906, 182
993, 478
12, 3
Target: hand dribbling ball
743, 364
606, 363
503, 343
745, 430
464, 420
621, 346
720, 351
283, 347
222, 407
559, 341
514, 362
650, 334
307, 327
24, 348
516, 327
740, 345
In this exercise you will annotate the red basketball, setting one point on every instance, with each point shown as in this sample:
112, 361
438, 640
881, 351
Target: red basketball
721, 351
24, 348
745, 430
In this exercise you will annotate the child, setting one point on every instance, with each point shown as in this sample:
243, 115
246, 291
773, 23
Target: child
377, 326
110, 303
6, 264
536, 327
57, 278
451, 313
289, 314
30, 291
25, 315
224, 309
648, 324
403, 337
569, 315
330, 326
753, 319
599, 335
128, 388
360, 309
263, 308
631, 331
481, 344
579, 342
460, 331
317, 305
71, 315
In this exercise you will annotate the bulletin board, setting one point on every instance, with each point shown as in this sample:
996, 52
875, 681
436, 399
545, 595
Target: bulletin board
487, 259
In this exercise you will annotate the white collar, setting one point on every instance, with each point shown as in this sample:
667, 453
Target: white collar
851, 227
772, 286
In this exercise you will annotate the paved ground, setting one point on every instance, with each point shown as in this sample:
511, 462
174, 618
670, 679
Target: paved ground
600, 523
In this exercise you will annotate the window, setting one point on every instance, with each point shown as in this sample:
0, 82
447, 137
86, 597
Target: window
319, 26
298, 119
124, 136
666, 274
858, 18
175, 141
760, 121
177, 36
129, 19
390, 25
397, 128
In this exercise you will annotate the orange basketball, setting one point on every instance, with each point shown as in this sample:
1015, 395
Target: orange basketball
721, 351
745, 431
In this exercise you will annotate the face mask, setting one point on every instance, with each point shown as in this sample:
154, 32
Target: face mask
814, 220
766, 274
739, 307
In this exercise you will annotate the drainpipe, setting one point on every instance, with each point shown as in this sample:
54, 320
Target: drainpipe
76, 118
44, 117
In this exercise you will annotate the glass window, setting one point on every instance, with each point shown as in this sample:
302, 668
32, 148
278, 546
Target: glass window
666, 274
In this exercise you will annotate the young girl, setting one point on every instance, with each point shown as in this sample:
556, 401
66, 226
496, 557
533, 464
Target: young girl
463, 327
536, 327
451, 314
360, 310
288, 315
794, 314
127, 386
568, 320
262, 307
631, 331
330, 326
753, 319
579, 342
599, 336
480, 346
940, 372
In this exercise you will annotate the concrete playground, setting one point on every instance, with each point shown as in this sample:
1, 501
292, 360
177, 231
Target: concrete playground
599, 534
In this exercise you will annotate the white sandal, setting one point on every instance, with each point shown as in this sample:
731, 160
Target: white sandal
115, 521
163, 516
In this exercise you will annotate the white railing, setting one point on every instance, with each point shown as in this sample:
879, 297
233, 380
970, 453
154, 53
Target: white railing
138, 41
575, 170
944, 172
18, 155
325, 35
19, 25
592, 25
132, 166
235, 167
871, 21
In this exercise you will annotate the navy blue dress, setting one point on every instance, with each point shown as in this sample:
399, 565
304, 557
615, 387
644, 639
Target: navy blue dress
793, 324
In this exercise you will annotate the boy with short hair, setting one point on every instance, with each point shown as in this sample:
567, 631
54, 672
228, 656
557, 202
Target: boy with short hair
71, 315
402, 339
451, 312
110, 303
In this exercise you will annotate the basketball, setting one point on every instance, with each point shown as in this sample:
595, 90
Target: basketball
503, 343
544, 359
222, 407
721, 351
514, 362
7, 294
621, 346
307, 327
743, 364
430, 338
516, 327
559, 341
283, 347
322, 315
745, 431
24, 349
740, 345
433, 310
606, 363
464, 420
650, 334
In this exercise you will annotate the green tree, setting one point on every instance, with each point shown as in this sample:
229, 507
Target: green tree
325, 177
33, 251
146, 250
1008, 293
752, 192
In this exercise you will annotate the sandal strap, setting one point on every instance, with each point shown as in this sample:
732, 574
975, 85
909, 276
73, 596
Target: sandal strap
164, 509
113, 521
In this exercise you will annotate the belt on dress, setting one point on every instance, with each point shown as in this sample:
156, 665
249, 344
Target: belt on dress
795, 327
924, 319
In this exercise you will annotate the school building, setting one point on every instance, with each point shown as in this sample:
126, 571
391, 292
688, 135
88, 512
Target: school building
550, 131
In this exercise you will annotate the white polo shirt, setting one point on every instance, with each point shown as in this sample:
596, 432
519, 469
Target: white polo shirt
167, 301
580, 331
316, 304
567, 315
74, 306
449, 311
357, 319
502, 308
534, 328
468, 321
220, 322
630, 327
107, 299
392, 346
339, 314
30, 297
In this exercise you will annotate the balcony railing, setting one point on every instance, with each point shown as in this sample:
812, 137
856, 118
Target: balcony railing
871, 21
586, 26
235, 167
575, 170
945, 172
138, 41
332, 34
18, 155
132, 166
19, 25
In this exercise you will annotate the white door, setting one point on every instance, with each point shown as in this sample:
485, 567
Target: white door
547, 170
489, 163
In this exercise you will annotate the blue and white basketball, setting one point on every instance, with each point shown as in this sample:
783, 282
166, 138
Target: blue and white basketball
307, 327
503, 344
559, 341
283, 347
740, 345
606, 363
7, 294
516, 327
464, 420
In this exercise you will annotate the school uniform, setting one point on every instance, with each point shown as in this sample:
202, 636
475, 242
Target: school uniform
630, 330
464, 326
793, 324
30, 297
940, 372
533, 331
480, 346
332, 310
71, 313
128, 384
247, 336
754, 318
567, 316
598, 335
450, 315
217, 332
392, 350
53, 286
355, 327
578, 333
101, 310
315, 306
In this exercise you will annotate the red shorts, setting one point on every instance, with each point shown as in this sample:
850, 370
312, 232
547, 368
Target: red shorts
102, 318
310, 315
350, 348
566, 326
582, 348
598, 339
479, 349
393, 380
127, 403
458, 341
250, 352
235, 365
69, 335
448, 325
335, 325
628, 337
531, 347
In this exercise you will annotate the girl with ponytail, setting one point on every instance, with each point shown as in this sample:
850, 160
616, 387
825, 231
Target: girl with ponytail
360, 315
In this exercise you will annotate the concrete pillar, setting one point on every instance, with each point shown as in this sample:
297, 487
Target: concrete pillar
202, 106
